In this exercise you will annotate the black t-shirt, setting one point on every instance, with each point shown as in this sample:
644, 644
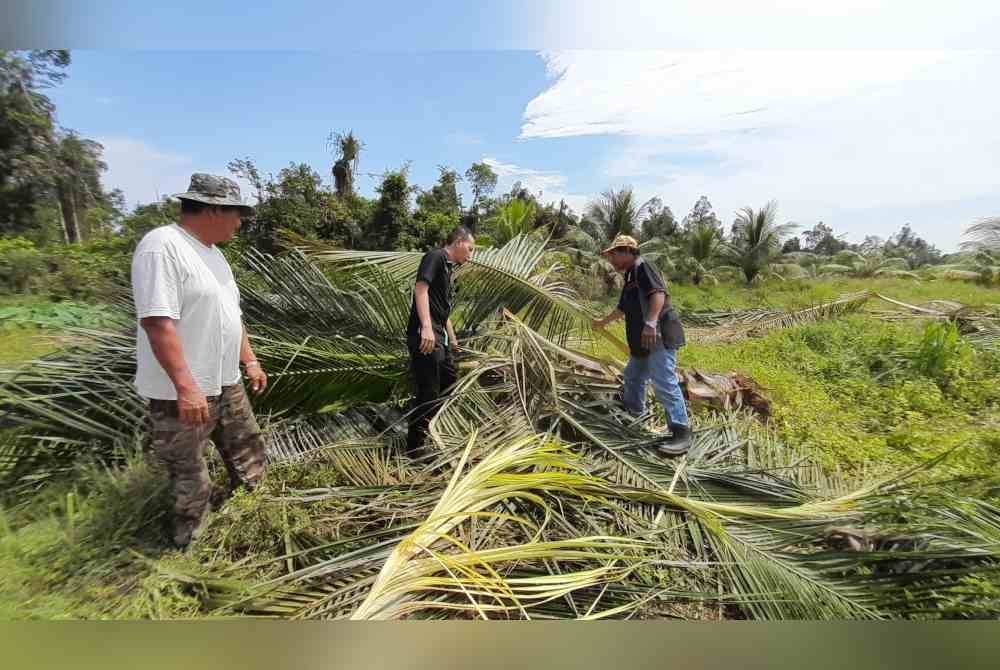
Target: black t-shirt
435, 269
640, 279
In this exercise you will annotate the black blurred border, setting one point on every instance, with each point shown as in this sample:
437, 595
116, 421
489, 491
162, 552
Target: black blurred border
449, 25
373, 25
481, 645
439, 646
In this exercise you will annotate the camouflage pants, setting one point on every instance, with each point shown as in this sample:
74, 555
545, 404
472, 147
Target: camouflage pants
180, 449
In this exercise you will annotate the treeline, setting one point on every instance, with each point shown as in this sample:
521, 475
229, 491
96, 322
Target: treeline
64, 234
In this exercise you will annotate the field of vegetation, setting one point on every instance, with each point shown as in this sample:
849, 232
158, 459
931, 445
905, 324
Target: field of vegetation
865, 396
845, 401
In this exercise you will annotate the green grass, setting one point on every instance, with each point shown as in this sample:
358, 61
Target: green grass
97, 546
24, 343
31, 327
852, 391
799, 293
59, 315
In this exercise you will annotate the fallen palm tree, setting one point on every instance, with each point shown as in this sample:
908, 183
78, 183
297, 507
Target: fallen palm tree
539, 497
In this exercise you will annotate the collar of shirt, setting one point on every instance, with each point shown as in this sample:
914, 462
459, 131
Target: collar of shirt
193, 237
631, 271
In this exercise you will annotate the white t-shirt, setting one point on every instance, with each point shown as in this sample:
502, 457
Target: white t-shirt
175, 275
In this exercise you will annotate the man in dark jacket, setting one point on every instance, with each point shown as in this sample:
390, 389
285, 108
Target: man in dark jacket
654, 335
430, 335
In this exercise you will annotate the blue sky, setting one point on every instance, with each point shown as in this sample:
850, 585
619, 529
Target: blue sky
863, 139
163, 114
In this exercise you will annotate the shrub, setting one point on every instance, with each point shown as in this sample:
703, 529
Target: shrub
75, 274
939, 348
21, 266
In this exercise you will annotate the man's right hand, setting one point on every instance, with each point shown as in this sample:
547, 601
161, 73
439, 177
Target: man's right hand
192, 406
427, 339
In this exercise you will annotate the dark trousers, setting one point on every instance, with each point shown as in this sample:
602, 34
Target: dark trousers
433, 376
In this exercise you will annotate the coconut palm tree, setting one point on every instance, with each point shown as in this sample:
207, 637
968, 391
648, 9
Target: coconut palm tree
617, 212
513, 218
702, 245
693, 255
867, 266
348, 148
756, 240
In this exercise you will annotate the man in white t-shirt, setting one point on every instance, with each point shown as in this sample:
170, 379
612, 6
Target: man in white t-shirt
189, 346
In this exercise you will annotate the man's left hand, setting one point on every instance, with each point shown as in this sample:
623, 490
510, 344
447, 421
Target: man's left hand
648, 338
455, 347
257, 377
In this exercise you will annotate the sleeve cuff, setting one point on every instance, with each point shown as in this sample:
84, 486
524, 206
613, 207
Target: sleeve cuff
158, 311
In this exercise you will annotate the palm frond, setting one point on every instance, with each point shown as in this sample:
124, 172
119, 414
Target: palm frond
507, 277
985, 233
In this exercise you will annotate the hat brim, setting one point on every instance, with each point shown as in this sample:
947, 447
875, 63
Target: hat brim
620, 246
210, 200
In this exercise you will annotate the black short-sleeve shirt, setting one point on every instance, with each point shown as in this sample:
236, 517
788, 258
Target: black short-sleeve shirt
641, 279
435, 269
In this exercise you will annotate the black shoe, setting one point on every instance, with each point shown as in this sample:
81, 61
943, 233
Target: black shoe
679, 441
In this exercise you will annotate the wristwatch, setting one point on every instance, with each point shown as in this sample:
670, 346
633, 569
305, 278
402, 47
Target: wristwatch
651, 324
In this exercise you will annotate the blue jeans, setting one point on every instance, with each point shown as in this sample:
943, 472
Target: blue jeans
660, 366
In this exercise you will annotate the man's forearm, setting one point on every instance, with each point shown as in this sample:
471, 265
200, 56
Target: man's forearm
246, 351
655, 307
167, 349
423, 304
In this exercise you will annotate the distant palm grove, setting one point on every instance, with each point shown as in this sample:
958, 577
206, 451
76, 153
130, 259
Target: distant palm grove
63, 234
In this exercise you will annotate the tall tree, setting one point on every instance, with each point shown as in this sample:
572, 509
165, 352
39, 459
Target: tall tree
617, 212
443, 197
77, 181
917, 251
872, 245
821, 240
246, 168
295, 200
791, 245
392, 211
482, 180
659, 221
347, 148
438, 211
757, 238
27, 133
702, 214
556, 220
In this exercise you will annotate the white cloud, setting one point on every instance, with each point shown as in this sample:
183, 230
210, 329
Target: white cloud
669, 93
819, 131
548, 186
146, 173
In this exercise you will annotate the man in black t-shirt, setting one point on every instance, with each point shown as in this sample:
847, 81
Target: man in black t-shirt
654, 335
430, 336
